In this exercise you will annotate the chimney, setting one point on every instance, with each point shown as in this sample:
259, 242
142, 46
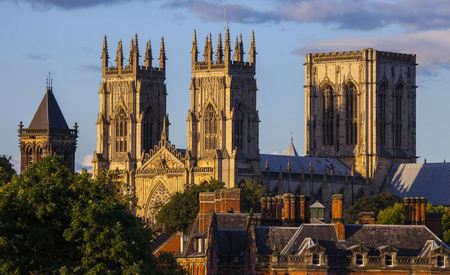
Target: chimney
206, 208
415, 210
286, 208
263, 201
279, 207
423, 210
337, 215
303, 209
366, 218
230, 200
292, 209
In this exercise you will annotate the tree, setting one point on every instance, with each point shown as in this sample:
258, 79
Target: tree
392, 215
370, 204
251, 192
6, 170
55, 221
445, 220
182, 208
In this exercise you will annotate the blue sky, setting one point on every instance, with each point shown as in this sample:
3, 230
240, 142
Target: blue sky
65, 37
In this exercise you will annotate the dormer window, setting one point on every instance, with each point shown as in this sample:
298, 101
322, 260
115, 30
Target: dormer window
316, 259
388, 260
440, 262
359, 260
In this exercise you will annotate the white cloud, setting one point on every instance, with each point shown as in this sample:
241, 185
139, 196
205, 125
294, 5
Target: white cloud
86, 162
430, 46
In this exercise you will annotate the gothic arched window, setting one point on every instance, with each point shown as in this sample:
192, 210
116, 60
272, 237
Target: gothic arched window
121, 132
239, 128
381, 113
351, 114
38, 153
210, 128
147, 130
328, 116
398, 115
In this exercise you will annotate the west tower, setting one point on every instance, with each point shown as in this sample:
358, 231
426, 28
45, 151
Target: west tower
47, 134
223, 122
360, 106
132, 108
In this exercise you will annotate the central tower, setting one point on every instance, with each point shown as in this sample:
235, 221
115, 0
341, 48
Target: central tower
223, 122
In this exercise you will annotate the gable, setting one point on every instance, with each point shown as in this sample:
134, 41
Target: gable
161, 162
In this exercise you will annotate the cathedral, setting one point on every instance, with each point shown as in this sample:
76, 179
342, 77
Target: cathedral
359, 110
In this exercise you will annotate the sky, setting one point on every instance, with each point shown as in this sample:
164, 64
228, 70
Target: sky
65, 37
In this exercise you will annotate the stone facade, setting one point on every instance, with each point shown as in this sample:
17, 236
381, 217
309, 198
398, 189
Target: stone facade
222, 119
360, 106
47, 134
132, 125
132, 109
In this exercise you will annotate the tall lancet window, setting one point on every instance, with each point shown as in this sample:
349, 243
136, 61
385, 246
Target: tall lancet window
351, 114
381, 113
147, 130
238, 128
398, 115
328, 116
210, 128
121, 132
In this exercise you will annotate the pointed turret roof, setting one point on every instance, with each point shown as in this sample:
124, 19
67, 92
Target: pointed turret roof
48, 114
291, 151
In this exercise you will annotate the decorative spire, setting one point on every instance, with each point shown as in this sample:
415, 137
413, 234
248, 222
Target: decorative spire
136, 51
219, 53
130, 58
105, 56
148, 55
119, 55
162, 55
241, 48
210, 49
194, 51
252, 49
227, 46
236, 50
49, 83
165, 129
205, 51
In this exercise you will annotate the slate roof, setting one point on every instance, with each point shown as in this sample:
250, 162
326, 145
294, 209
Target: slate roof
300, 164
48, 114
430, 180
231, 238
408, 239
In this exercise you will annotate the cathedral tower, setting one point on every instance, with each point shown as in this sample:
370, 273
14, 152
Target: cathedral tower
360, 106
223, 122
47, 134
132, 108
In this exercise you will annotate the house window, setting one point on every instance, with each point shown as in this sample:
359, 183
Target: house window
388, 260
316, 259
359, 259
440, 261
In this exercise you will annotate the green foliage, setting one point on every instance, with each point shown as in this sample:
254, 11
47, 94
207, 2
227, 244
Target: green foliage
251, 192
392, 215
445, 220
54, 221
370, 204
182, 208
6, 170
